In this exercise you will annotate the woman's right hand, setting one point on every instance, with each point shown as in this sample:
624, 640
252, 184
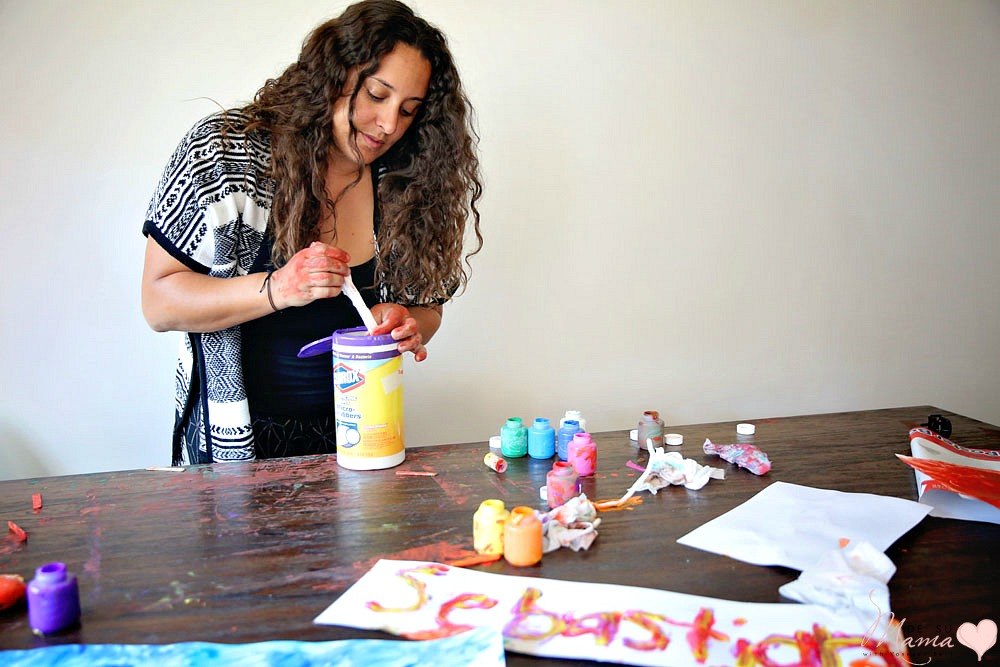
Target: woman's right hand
315, 272
177, 298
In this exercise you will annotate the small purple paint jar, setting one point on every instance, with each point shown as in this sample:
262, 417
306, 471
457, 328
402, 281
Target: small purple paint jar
53, 599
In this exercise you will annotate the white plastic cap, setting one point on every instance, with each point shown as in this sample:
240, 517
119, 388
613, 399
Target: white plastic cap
674, 439
495, 442
746, 429
633, 434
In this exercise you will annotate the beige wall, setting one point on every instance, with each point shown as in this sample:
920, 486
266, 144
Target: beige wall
722, 210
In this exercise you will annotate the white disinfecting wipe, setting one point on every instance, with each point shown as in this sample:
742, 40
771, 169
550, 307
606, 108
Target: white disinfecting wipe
359, 303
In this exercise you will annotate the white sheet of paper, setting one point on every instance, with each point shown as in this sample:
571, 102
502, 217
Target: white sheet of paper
792, 525
609, 623
948, 505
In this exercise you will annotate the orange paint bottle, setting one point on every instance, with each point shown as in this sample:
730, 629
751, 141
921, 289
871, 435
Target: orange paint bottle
522, 537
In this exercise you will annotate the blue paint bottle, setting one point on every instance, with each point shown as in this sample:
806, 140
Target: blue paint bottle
569, 428
541, 439
514, 438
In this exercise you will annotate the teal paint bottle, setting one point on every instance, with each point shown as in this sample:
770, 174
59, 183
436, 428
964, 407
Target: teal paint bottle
514, 438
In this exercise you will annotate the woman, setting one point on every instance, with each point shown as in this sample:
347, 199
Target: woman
358, 160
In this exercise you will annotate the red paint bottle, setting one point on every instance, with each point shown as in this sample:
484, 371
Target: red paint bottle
561, 484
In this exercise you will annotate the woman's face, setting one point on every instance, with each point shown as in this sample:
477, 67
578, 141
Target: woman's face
385, 107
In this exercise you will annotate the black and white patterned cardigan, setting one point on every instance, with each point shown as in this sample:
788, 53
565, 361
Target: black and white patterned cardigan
210, 212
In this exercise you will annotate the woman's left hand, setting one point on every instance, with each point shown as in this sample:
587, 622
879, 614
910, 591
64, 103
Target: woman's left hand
395, 319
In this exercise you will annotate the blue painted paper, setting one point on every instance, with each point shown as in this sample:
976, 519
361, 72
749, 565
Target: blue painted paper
480, 648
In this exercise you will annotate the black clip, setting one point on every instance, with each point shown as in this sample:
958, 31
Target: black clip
938, 424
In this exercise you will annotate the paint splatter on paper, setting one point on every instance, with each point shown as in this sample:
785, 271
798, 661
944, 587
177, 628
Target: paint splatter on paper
637, 626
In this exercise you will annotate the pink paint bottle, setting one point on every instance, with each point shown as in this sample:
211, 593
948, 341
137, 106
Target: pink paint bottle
561, 484
583, 454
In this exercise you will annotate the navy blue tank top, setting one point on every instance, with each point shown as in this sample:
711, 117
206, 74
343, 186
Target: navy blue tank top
278, 383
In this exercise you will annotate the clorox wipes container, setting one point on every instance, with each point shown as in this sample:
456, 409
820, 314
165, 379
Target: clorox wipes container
368, 400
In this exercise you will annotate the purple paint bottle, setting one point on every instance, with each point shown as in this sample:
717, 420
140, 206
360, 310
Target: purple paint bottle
53, 599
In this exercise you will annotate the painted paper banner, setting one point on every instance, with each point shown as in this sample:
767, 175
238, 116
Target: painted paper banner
624, 624
958, 482
482, 648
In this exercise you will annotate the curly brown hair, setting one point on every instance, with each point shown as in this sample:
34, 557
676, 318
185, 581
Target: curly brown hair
431, 183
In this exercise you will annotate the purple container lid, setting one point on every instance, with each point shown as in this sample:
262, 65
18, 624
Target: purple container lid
359, 337
355, 337
357, 344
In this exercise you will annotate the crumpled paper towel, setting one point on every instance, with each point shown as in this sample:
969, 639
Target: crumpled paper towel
667, 468
852, 580
742, 454
572, 525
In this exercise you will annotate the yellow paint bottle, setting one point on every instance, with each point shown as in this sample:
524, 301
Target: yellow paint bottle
488, 526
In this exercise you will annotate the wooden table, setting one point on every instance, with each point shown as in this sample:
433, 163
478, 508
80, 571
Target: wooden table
253, 552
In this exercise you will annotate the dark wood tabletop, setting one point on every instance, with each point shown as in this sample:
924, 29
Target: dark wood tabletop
248, 552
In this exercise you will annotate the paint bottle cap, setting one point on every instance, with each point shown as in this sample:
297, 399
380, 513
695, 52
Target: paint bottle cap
746, 429
633, 434
674, 439
494, 442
